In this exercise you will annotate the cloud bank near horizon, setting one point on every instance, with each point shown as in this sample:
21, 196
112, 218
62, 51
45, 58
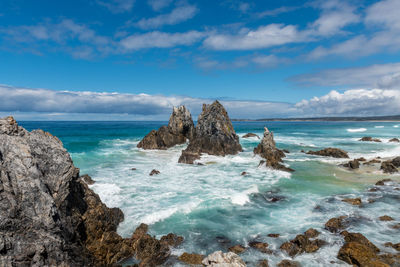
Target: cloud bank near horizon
36, 104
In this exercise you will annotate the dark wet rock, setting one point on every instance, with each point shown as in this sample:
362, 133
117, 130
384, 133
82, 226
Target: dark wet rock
359, 251
49, 215
302, 151
223, 240
267, 150
311, 233
370, 139
388, 167
223, 259
288, 263
370, 200
396, 162
361, 159
301, 244
334, 225
194, 259
353, 201
382, 182
396, 140
87, 179
273, 235
395, 226
188, 157
372, 161
172, 240
214, 134
237, 249
260, 246
373, 189
386, 218
250, 135
330, 152
395, 246
244, 173
133, 169
262, 162
154, 172
263, 263
286, 151
179, 129
390, 259
353, 164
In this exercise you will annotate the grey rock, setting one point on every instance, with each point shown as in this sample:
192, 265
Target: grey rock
223, 259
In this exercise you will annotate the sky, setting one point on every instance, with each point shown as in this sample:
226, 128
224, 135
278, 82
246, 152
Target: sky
135, 59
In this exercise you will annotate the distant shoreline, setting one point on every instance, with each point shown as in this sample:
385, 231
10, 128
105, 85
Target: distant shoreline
395, 118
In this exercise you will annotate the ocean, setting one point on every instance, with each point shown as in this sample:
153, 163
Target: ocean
214, 207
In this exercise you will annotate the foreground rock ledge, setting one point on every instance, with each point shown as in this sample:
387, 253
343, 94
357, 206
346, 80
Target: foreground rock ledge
214, 135
179, 129
50, 217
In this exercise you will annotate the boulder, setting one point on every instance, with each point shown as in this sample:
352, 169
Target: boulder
395, 246
353, 201
179, 129
193, 259
260, 246
273, 235
248, 135
237, 249
301, 244
214, 134
244, 173
359, 238
353, 164
386, 218
388, 167
154, 172
223, 259
334, 225
330, 152
267, 150
396, 140
370, 139
311, 233
372, 161
396, 162
263, 263
382, 182
172, 240
288, 263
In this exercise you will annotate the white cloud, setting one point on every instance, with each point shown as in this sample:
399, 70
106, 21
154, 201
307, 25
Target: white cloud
277, 11
117, 6
263, 37
158, 39
384, 13
385, 76
158, 5
177, 15
26, 100
355, 102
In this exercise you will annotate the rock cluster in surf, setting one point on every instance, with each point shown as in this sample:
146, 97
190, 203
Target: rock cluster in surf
179, 129
267, 150
214, 135
50, 217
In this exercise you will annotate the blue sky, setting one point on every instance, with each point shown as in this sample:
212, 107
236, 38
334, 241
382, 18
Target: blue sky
82, 59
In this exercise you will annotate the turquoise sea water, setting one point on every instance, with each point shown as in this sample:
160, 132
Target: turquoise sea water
214, 207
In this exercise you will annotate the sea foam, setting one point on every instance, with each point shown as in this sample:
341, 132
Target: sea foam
357, 130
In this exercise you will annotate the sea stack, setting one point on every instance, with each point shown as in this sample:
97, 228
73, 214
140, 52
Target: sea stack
214, 135
267, 150
179, 129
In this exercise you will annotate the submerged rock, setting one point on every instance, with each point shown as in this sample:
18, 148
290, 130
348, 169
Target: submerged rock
237, 249
223, 259
260, 246
267, 150
382, 182
273, 235
396, 140
172, 240
250, 135
334, 225
288, 263
214, 135
194, 259
396, 162
353, 201
301, 244
370, 139
386, 218
154, 172
179, 129
330, 152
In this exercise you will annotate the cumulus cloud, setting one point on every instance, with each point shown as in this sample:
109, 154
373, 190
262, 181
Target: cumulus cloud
158, 39
158, 5
385, 76
117, 6
356, 102
177, 15
61, 102
263, 37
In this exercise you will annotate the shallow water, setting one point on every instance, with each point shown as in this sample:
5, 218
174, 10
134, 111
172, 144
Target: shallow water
214, 207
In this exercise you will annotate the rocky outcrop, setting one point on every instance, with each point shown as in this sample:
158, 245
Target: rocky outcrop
192, 259
260, 246
214, 135
303, 243
237, 249
267, 150
49, 215
370, 139
395, 140
179, 129
385, 218
223, 259
388, 167
353, 164
334, 225
353, 201
330, 152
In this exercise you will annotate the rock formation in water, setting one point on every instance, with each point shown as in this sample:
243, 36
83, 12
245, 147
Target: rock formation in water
179, 129
214, 135
370, 139
267, 150
223, 259
330, 152
50, 217
248, 135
